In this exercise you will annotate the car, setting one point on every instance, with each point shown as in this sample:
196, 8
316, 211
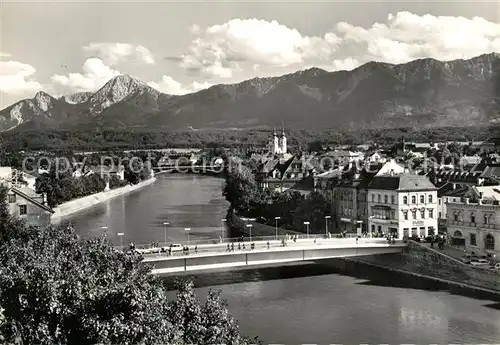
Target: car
175, 247
466, 259
496, 267
415, 238
480, 263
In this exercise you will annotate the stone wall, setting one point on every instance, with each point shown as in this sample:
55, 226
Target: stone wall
258, 229
420, 260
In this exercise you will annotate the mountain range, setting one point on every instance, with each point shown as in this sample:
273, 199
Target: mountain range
425, 93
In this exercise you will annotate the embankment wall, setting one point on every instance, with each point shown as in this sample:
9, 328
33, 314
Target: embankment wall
81, 204
422, 261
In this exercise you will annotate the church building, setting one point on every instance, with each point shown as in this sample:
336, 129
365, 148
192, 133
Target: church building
277, 143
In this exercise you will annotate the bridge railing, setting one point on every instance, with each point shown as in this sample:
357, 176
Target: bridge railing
225, 241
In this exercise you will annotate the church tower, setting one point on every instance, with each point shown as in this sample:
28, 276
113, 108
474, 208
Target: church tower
277, 143
282, 142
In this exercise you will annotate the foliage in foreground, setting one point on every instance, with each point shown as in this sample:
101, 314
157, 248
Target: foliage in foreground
56, 288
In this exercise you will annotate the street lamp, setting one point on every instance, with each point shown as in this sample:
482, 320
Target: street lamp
276, 219
222, 228
307, 228
165, 225
249, 226
326, 223
187, 232
121, 238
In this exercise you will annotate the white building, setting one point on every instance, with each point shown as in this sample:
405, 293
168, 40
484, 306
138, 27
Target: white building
391, 168
475, 224
403, 205
277, 143
376, 157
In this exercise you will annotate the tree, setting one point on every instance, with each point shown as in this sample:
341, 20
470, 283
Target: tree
56, 288
240, 188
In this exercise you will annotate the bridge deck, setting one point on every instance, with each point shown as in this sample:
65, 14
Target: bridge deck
217, 256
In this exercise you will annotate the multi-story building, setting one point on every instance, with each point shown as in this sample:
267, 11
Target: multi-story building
403, 205
280, 174
350, 207
475, 223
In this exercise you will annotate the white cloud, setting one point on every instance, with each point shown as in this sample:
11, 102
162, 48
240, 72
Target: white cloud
16, 78
95, 75
171, 86
219, 50
113, 53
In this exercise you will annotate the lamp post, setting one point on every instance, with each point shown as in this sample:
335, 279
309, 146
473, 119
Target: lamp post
121, 238
326, 225
276, 219
249, 226
307, 228
187, 232
223, 221
165, 226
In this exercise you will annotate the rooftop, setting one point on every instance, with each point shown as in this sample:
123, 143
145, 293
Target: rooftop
402, 182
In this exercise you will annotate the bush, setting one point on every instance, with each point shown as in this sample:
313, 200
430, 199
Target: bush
56, 288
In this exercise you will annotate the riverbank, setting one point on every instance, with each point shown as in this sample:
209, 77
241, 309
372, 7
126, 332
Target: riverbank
81, 204
427, 263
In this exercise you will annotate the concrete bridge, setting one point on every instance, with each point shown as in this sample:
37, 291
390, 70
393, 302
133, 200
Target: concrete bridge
214, 256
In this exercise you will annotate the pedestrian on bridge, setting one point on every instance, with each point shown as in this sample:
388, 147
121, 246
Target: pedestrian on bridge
196, 248
268, 245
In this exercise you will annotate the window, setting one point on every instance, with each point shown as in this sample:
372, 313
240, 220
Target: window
378, 198
414, 199
473, 241
431, 213
12, 199
439, 200
439, 215
392, 199
489, 242
455, 217
405, 200
422, 214
472, 218
23, 209
405, 215
485, 219
430, 198
373, 197
414, 214
386, 199
422, 199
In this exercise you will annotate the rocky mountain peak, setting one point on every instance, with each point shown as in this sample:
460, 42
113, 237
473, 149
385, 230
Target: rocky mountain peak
43, 100
117, 89
76, 98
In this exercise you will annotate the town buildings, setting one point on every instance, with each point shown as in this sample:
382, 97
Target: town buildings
402, 205
474, 221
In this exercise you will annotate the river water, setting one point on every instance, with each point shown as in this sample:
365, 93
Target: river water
301, 303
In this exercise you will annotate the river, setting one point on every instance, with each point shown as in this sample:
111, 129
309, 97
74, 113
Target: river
299, 303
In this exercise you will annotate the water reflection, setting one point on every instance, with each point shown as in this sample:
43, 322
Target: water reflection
185, 201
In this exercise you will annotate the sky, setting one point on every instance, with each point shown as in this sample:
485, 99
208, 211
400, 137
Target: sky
62, 47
